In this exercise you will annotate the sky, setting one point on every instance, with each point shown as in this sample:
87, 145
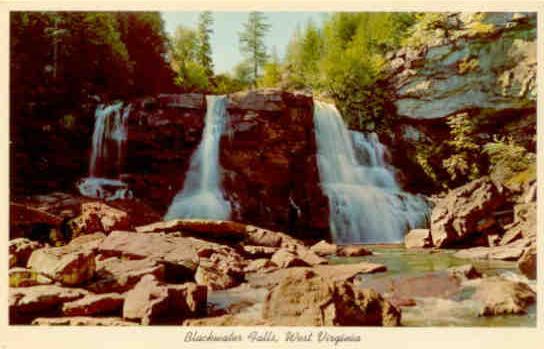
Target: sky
227, 25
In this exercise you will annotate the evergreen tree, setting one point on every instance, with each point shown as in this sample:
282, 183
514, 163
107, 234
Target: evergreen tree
252, 43
204, 51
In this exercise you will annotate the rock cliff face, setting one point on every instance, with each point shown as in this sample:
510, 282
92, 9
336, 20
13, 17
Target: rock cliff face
483, 65
268, 157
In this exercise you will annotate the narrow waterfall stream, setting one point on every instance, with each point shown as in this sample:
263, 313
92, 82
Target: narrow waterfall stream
108, 148
366, 203
201, 196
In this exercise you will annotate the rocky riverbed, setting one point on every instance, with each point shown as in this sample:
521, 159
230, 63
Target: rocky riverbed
75, 261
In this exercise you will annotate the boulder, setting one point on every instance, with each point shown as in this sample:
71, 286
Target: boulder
467, 271
41, 299
98, 217
176, 251
527, 264
20, 250
202, 228
510, 252
323, 248
500, 296
464, 211
352, 251
22, 277
306, 299
118, 275
286, 259
28, 221
259, 251
260, 265
70, 265
82, 321
418, 238
220, 267
108, 303
152, 302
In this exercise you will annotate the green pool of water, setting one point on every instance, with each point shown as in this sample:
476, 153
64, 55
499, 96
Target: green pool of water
436, 311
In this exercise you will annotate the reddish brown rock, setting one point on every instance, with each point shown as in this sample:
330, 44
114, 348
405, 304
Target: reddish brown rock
352, 251
286, 259
271, 170
203, 228
323, 248
467, 271
306, 299
220, 267
20, 250
70, 265
465, 211
42, 298
151, 302
174, 250
500, 296
117, 275
527, 264
108, 303
418, 238
259, 251
260, 265
82, 321
98, 217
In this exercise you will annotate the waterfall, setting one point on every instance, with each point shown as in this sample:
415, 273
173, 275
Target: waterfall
366, 203
201, 196
108, 147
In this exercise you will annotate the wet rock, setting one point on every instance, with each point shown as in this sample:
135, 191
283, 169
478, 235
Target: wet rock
467, 271
117, 275
22, 277
418, 238
287, 259
151, 302
352, 251
264, 237
40, 299
70, 265
20, 250
323, 248
310, 257
306, 299
202, 228
98, 217
108, 303
461, 213
177, 251
88, 241
82, 321
500, 296
527, 264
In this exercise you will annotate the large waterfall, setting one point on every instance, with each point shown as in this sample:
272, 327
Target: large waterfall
201, 196
366, 203
108, 147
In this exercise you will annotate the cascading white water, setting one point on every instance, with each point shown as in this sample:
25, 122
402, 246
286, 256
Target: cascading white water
365, 201
108, 147
201, 196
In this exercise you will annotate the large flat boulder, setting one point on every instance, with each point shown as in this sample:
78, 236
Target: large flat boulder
152, 302
500, 296
114, 274
465, 211
202, 228
90, 305
304, 298
98, 217
40, 299
418, 238
173, 250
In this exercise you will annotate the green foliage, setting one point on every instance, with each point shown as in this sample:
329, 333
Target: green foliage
428, 26
252, 44
462, 163
204, 49
511, 164
271, 72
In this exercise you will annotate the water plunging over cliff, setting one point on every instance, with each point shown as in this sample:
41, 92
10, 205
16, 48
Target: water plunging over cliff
108, 147
366, 203
201, 196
